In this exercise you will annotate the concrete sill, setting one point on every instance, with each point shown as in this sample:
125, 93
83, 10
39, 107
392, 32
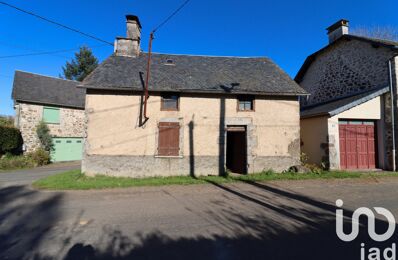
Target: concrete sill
169, 157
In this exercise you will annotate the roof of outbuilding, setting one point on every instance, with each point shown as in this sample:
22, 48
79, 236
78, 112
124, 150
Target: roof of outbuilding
40, 89
195, 74
337, 106
308, 61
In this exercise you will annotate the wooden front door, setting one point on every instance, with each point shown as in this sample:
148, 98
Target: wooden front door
357, 144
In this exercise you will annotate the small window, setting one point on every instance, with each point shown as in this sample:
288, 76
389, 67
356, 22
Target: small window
68, 142
169, 139
245, 103
170, 102
51, 115
58, 142
79, 141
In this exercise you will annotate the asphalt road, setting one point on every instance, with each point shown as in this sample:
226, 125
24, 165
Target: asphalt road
273, 220
27, 176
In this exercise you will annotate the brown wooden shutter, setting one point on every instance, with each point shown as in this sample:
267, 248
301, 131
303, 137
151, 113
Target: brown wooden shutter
169, 139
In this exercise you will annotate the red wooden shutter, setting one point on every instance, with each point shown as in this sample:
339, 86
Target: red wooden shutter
169, 139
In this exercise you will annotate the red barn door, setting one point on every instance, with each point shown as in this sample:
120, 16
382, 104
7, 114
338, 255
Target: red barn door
357, 145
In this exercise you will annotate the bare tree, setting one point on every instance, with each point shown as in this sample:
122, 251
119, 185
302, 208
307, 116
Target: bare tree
379, 32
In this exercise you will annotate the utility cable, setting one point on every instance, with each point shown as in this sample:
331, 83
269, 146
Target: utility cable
55, 23
171, 15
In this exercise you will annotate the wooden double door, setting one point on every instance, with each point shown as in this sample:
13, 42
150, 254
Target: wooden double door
357, 144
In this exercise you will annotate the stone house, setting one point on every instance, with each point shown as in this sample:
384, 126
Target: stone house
59, 103
204, 113
346, 121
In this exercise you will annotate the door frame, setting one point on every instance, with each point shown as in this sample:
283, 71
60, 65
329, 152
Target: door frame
376, 141
238, 128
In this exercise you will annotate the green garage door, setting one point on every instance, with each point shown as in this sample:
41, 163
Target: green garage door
67, 149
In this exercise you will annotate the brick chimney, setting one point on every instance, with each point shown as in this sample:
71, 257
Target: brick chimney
338, 29
130, 45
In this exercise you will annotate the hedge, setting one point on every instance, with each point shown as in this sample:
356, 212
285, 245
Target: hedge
10, 139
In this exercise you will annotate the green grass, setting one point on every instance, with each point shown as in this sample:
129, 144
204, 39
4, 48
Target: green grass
75, 180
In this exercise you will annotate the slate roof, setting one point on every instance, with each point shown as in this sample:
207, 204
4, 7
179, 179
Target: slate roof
379, 42
337, 106
195, 74
46, 90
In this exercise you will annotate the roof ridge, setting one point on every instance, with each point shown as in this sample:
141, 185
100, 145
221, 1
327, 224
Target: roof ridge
378, 40
210, 56
52, 77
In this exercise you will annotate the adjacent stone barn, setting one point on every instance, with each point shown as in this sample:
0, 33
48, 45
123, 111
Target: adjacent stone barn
346, 121
205, 114
59, 103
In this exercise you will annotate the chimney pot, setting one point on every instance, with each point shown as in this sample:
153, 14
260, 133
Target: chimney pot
338, 29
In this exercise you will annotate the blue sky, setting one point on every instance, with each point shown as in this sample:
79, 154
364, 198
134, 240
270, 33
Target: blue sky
285, 31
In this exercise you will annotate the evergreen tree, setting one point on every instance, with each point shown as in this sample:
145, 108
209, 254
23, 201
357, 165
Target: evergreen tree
80, 66
45, 138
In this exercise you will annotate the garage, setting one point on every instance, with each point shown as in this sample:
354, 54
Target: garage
67, 149
357, 144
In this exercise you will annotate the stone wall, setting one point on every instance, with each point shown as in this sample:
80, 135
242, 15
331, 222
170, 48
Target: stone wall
116, 143
349, 67
344, 69
29, 115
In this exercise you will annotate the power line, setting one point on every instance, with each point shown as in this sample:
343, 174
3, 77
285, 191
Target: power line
16, 46
171, 15
148, 68
42, 53
56, 23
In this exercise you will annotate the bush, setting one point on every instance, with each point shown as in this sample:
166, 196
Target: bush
43, 133
10, 139
6, 121
313, 168
39, 157
16, 162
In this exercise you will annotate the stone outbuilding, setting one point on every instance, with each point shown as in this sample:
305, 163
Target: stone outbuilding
59, 103
346, 122
205, 114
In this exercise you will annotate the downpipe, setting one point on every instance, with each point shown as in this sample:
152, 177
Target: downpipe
392, 115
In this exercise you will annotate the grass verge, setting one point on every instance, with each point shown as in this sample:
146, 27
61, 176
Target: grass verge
75, 180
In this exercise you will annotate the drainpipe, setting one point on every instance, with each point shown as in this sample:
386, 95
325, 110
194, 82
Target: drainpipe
148, 69
392, 114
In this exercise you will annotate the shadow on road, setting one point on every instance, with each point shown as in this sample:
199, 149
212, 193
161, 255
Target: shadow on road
257, 236
282, 225
24, 220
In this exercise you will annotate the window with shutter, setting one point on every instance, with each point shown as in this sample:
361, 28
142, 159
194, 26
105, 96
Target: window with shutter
51, 115
169, 139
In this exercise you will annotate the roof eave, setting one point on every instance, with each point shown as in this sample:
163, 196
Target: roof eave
18, 100
359, 101
348, 106
314, 115
198, 91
